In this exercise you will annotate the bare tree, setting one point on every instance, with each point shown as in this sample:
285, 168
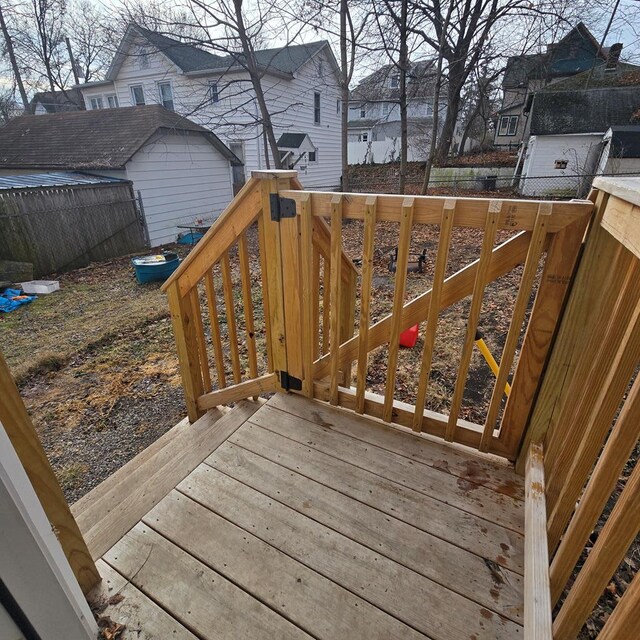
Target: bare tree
8, 42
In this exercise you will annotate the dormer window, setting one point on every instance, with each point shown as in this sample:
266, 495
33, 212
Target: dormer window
394, 81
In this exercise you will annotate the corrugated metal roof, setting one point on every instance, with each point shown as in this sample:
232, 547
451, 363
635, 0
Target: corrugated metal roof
53, 179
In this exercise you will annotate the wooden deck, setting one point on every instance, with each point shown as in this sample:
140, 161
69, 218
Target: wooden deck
306, 521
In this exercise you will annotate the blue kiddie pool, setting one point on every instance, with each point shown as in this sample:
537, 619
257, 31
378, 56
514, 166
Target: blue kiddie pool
155, 268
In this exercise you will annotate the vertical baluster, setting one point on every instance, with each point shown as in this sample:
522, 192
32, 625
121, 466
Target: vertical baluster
365, 305
406, 221
215, 328
315, 292
326, 304
519, 309
245, 274
614, 540
265, 293
227, 285
308, 306
202, 346
334, 294
490, 229
446, 225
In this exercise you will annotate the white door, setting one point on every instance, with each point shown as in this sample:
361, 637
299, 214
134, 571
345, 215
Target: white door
38, 591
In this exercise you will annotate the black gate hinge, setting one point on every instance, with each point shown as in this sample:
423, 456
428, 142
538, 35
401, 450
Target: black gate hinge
289, 382
281, 207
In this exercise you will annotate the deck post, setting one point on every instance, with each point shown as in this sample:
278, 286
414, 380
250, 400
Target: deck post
23, 436
185, 332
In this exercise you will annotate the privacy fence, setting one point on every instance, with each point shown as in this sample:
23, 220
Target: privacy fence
61, 228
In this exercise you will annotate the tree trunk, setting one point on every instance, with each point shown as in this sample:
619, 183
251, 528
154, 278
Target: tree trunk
344, 96
14, 63
404, 65
449, 126
254, 74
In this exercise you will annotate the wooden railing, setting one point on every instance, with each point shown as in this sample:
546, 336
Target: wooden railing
309, 311
584, 430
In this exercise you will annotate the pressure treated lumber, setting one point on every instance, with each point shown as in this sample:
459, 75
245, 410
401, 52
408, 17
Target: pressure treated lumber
247, 302
625, 619
25, 441
496, 588
460, 528
214, 322
335, 296
200, 598
504, 258
248, 388
446, 225
229, 304
312, 602
309, 270
408, 596
614, 540
470, 212
537, 599
131, 492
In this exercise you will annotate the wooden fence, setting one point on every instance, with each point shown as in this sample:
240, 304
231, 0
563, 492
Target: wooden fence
60, 228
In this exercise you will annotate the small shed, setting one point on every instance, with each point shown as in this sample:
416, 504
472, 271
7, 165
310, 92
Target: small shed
62, 220
182, 170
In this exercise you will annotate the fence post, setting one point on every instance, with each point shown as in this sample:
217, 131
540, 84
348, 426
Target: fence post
143, 218
23, 436
184, 329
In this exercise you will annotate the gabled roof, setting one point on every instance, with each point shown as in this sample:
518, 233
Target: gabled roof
95, 139
192, 59
421, 81
57, 101
590, 111
520, 69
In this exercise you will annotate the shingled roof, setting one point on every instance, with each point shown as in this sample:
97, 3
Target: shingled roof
57, 101
193, 59
421, 80
95, 139
590, 111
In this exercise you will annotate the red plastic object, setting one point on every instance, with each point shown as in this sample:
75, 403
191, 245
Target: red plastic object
409, 337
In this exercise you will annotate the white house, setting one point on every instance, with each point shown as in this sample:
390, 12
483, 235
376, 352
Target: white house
300, 84
374, 114
182, 170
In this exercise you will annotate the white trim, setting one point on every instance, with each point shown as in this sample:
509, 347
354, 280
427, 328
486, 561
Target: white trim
32, 563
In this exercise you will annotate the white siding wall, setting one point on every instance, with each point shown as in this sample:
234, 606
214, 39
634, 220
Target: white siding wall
542, 178
232, 118
181, 178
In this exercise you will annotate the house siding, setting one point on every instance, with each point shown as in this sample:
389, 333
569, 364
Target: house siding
233, 117
181, 178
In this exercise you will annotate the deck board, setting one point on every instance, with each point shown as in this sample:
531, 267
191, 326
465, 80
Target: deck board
469, 575
303, 521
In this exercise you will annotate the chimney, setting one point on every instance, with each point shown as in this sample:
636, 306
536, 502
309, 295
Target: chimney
613, 57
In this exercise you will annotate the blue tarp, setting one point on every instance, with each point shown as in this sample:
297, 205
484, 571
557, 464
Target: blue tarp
8, 300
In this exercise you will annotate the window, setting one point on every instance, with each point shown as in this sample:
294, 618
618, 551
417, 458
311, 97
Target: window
165, 93
316, 108
385, 108
363, 137
313, 156
394, 81
96, 103
143, 58
112, 101
137, 95
338, 107
508, 126
213, 92
363, 111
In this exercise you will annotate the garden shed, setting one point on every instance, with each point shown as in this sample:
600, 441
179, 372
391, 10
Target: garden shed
182, 170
